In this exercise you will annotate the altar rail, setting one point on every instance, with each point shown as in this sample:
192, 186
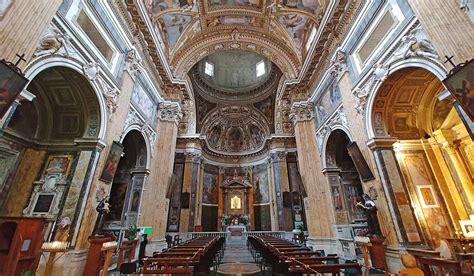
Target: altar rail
191, 235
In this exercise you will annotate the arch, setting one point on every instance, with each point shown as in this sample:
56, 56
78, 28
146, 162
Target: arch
332, 128
127, 186
146, 138
330, 154
283, 56
41, 64
433, 66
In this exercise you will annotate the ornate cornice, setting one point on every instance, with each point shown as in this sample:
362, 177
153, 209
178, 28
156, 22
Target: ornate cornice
170, 112
301, 111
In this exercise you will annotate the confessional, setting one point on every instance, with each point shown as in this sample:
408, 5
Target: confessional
20, 244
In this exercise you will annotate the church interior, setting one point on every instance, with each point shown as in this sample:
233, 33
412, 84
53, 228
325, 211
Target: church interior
236, 137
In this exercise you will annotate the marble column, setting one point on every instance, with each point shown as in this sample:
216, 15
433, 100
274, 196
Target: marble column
273, 198
319, 213
358, 132
155, 206
394, 188
448, 26
199, 188
458, 169
220, 198
22, 24
95, 187
251, 201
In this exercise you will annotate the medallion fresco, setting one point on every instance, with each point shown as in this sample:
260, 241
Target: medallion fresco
175, 25
234, 20
295, 26
314, 7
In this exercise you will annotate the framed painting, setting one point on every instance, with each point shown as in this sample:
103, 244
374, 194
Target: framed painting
467, 227
115, 153
359, 161
427, 196
461, 85
11, 85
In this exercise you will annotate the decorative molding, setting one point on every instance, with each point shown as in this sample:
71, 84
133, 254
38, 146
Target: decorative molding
301, 111
338, 64
132, 63
339, 118
53, 42
170, 112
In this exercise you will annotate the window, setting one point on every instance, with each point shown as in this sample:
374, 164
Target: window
209, 69
260, 68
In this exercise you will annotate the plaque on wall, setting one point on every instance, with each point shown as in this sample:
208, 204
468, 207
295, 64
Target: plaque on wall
359, 161
43, 203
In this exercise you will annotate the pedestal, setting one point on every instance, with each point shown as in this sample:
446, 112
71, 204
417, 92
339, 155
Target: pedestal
94, 257
377, 253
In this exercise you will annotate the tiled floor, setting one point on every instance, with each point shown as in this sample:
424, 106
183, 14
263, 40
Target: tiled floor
237, 259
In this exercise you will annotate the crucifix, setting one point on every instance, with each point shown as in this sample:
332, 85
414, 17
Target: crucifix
20, 59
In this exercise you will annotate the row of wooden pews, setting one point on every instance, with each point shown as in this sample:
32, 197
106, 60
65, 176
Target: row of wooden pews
193, 257
286, 258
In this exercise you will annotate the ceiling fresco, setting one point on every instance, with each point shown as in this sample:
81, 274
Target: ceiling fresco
178, 22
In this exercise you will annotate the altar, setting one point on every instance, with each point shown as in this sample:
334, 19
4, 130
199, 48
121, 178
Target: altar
236, 230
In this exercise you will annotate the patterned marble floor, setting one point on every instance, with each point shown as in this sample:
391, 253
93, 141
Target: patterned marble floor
237, 259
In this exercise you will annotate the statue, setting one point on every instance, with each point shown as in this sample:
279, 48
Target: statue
371, 213
103, 208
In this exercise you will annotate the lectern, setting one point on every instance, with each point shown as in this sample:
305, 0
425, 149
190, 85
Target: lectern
20, 244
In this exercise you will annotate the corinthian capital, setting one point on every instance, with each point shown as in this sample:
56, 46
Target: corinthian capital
301, 111
170, 112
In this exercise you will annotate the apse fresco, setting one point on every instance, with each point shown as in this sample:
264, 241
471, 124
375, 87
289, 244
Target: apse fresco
235, 139
234, 3
260, 184
175, 24
312, 6
210, 188
295, 26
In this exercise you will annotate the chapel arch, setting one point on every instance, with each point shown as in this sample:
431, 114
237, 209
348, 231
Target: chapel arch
343, 178
127, 186
53, 140
431, 145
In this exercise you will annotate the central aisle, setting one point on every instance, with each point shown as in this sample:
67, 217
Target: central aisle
237, 259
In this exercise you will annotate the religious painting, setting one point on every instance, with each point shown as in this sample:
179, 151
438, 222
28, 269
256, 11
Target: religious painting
135, 201
295, 26
337, 197
312, 6
353, 195
234, 3
158, 6
115, 153
234, 20
266, 108
260, 184
359, 161
210, 189
143, 102
427, 196
461, 86
11, 85
117, 200
235, 203
467, 227
58, 163
174, 24
235, 138
256, 136
214, 135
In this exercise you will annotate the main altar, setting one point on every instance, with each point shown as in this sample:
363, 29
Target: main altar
237, 199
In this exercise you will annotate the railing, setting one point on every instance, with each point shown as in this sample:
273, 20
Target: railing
191, 235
